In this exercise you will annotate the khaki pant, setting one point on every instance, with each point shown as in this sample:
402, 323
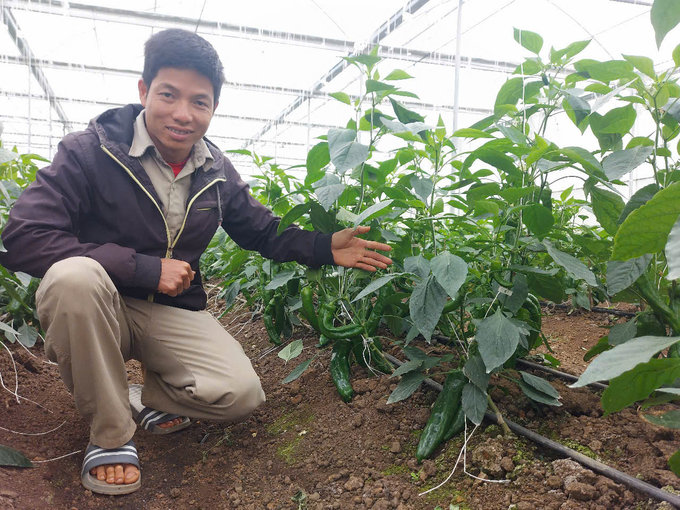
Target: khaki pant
193, 366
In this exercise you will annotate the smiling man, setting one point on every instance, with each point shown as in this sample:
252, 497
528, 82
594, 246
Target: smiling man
116, 226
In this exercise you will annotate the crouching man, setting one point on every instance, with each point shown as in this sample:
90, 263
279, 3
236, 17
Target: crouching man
115, 226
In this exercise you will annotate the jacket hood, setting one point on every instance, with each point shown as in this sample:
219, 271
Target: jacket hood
115, 127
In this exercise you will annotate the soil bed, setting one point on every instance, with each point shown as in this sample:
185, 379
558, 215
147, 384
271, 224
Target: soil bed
305, 448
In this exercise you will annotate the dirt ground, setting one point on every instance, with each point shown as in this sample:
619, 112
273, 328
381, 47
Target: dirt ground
306, 449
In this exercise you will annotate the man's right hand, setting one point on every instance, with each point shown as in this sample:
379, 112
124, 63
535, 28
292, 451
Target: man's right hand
176, 276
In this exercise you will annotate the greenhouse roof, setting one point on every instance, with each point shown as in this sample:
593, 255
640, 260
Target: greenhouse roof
63, 63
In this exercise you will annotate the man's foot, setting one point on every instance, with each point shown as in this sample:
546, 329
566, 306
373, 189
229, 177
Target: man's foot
125, 473
119, 474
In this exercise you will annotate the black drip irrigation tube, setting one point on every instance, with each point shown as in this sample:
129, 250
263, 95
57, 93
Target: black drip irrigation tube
597, 309
592, 464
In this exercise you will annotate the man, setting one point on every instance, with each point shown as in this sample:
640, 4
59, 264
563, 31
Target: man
115, 226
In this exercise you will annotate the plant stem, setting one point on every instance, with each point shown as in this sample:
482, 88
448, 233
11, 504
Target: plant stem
501, 422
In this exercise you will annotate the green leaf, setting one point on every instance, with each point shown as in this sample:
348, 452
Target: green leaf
643, 64
417, 265
297, 371
450, 271
497, 159
321, 219
290, 351
512, 195
601, 346
676, 56
344, 151
540, 384
409, 366
570, 51
671, 420
622, 332
474, 403
607, 207
646, 229
606, 71
328, 190
426, 304
674, 463
404, 114
579, 155
398, 74
6, 156
520, 291
600, 101
547, 287
11, 457
673, 252
483, 207
407, 386
317, 158
497, 338
665, 15
475, 370
529, 40
342, 97
622, 274
538, 219
640, 198
623, 358
571, 264
580, 109
537, 395
511, 92
621, 163
280, 279
616, 120
295, 213
378, 86
472, 133
371, 212
375, 285
638, 383
397, 127
423, 187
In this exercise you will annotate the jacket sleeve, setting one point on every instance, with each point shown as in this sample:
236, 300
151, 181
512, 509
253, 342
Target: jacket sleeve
253, 227
43, 225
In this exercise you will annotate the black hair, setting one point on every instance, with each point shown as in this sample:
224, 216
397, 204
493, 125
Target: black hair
182, 49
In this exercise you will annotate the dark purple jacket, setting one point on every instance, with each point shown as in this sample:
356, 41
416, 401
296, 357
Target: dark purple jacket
96, 201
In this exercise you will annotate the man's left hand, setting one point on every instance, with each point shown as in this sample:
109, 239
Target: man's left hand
351, 251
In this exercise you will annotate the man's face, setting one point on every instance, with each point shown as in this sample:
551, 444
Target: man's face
179, 106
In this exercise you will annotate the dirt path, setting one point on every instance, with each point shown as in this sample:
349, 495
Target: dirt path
305, 448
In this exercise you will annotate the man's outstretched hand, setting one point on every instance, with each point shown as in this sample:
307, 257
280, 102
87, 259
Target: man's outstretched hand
351, 251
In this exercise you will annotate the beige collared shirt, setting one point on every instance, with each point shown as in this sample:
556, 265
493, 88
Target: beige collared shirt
172, 191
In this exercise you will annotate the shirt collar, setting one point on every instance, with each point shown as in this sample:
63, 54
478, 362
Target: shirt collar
142, 142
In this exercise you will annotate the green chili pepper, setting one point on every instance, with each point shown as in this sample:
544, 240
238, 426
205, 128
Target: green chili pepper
376, 313
443, 413
307, 295
293, 286
457, 425
324, 340
496, 275
453, 304
280, 317
339, 332
378, 359
268, 319
532, 305
339, 368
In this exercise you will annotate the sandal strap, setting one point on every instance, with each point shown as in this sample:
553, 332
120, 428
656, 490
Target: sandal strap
149, 418
96, 456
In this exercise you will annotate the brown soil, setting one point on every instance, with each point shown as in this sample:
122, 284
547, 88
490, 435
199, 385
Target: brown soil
305, 448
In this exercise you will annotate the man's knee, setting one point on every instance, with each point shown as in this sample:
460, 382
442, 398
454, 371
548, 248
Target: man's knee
75, 277
238, 397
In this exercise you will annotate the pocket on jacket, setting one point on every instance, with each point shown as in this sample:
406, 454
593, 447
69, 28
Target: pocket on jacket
205, 205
